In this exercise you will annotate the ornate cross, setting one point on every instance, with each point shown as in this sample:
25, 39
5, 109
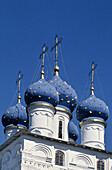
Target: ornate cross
56, 47
43, 55
92, 77
18, 81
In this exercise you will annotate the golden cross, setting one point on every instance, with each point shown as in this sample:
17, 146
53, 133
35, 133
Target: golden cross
56, 68
18, 81
43, 55
92, 77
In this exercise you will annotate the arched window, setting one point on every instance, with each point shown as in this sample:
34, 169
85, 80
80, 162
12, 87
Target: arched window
60, 130
100, 165
59, 158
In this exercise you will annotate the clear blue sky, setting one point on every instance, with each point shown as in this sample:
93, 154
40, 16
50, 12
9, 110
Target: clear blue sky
86, 29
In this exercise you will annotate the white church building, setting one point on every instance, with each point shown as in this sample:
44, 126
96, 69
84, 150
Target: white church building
42, 136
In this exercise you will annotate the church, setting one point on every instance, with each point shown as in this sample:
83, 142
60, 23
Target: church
42, 136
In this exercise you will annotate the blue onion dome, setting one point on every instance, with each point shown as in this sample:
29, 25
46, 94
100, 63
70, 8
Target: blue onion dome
67, 95
73, 131
41, 91
92, 107
15, 115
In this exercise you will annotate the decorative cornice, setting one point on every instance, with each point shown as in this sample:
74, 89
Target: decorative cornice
92, 120
26, 133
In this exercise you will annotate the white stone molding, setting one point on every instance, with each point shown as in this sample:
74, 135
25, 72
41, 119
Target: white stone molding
38, 157
36, 165
43, 149
81, 167
82, 159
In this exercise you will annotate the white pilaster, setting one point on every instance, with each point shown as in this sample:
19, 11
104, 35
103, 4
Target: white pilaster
92, 133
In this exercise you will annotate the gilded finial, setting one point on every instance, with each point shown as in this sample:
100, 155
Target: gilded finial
92, 77
18, 81
43, 55
56, 68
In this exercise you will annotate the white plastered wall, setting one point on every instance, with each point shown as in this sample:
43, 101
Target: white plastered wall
34, 153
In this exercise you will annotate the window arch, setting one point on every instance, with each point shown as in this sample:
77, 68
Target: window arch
60, 130
59, 158
100, 165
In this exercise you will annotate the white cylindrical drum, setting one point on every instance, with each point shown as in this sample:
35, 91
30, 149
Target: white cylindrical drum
92, 133
41, 118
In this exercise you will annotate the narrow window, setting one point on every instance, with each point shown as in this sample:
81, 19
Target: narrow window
60, 130
59, 158
100, 165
